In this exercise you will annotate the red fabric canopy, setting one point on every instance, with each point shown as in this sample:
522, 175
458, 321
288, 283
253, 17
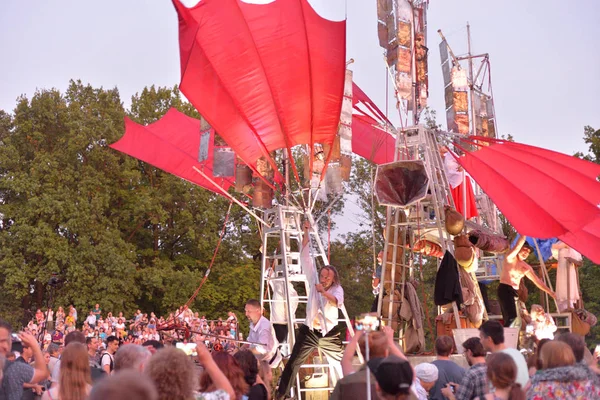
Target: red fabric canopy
370, 141
265, 76
171, 144
542, 193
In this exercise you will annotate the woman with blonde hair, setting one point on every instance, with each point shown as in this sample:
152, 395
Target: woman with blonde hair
75, 381
502, 374
559, 377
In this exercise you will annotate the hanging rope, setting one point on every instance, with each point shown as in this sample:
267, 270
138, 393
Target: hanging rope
329, 234
170, 324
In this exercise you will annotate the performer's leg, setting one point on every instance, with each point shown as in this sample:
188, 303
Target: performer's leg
506, 297
375, 304
306, 342
331, 344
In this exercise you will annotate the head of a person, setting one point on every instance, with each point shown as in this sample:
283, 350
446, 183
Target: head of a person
329, 276
525, 252
231, 368
249, 365
576, 343
491, 334
427, 374
75, 337
253, 310
502, 374
112, 344
97, 306
131, 356
473, 349
27, 353
153, 345
537, 312
535, 359
556, 354
92, 344
173, 373
394, 376
380, 257
378, 345
75, 373
5, 338
444, 345
52, 350
124, 385
265, 372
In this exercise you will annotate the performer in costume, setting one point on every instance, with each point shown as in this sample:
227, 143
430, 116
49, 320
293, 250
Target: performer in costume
320, 329
514, 268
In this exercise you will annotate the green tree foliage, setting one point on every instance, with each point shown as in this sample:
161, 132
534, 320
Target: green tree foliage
119, 231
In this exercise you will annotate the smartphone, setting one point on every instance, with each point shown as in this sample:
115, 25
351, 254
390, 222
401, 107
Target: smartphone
187, 348
15, 337
368, 322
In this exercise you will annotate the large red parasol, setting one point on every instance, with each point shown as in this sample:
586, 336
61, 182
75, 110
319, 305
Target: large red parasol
542, 193
265, 76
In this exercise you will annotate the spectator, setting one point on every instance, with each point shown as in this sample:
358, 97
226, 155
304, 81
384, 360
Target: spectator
249, 365
97, 311
92, 348
427, 375
474, 384
502, 374
107, 360
53, 352
75, 381
131, 356
353, 384
393, 376
560, 378
60, 316
491, 334
234, 374
73, 337
16, 374
153, 345
174, 376
448, 371
577, 345
534, 363
125, 385
73, 312
265, 373
91, 320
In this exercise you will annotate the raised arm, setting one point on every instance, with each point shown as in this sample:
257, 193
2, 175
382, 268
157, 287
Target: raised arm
40, 370
348, 355
212, 369
512, 253
537, 281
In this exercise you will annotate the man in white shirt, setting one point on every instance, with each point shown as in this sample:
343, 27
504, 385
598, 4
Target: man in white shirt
320, 329
261, 331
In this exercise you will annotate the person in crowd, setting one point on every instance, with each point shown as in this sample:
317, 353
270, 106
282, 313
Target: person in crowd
448, 371
394, 377
92, 344
502, 374
354, 384
491, 334
427, 375
125, 385
249, 365
91, 320
514, 268
261, 331
559, 377
15, 375
73, 313
152, 345
320, 329
52, 350
474, 383
577, 344
60, 316
75, 380
534, 363
174, 376
265, 373
131, 356
107, 360
234, 374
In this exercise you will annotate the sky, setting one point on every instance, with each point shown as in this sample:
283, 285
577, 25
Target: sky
544, 55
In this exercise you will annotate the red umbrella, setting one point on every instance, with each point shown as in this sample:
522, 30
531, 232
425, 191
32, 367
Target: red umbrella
542, 193
265, 76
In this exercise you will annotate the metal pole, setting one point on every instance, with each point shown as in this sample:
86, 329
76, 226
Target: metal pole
367, 369
472, 84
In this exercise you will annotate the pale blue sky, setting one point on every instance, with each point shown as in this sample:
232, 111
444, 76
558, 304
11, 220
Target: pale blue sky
544, 53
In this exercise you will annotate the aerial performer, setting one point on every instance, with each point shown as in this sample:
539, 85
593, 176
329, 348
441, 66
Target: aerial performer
460, 184
320, 329
514, 268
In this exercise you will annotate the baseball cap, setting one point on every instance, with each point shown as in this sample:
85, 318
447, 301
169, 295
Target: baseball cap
427, 372
394, 375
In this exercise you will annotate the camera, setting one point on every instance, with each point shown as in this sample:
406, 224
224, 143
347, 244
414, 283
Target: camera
368, 322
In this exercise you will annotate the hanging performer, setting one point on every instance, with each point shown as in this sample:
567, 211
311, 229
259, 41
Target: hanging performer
460, 184
514, 268
320, 329
261, 331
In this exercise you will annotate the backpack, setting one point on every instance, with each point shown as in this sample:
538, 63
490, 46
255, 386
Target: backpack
111, 360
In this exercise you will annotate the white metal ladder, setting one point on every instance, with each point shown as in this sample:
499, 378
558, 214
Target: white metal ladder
284, 266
